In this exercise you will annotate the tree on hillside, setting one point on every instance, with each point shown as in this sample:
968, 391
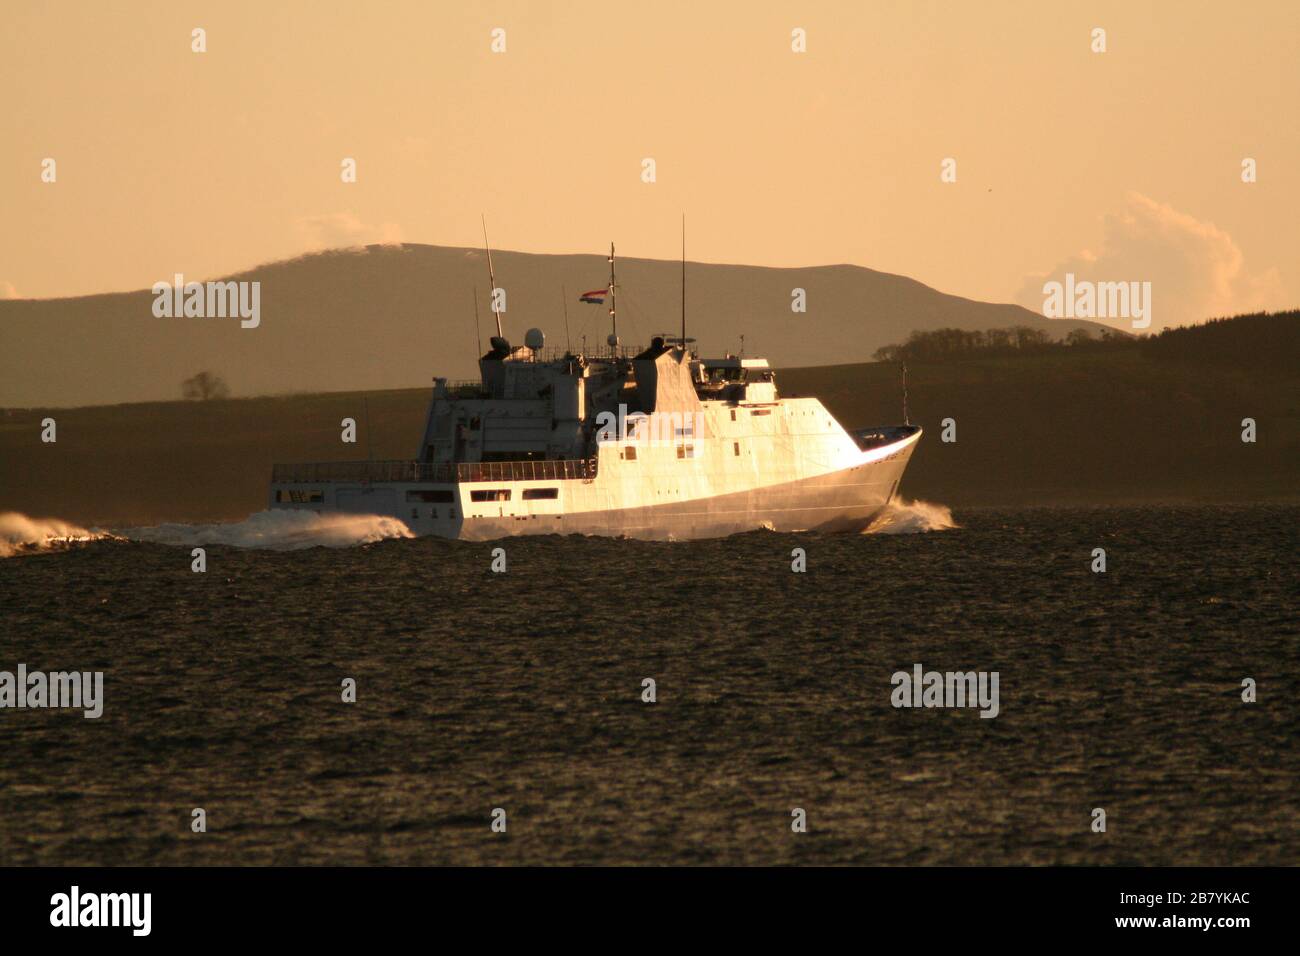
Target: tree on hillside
205, 386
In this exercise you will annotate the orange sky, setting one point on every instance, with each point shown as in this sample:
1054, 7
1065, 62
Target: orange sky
1127, 162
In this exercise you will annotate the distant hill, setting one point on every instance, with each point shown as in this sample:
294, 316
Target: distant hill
394, 316
1265, 343
1064, 425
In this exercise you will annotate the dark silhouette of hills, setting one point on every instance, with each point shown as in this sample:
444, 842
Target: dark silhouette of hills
1266, 343
1261, 342
393, 316
1107, 421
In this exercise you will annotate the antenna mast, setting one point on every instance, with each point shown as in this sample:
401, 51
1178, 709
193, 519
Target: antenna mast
906, 421
478, 342
564, 300
491, 278
683, 282
613, 302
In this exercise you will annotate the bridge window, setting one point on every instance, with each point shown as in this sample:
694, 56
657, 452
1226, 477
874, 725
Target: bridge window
535, 494
490, 494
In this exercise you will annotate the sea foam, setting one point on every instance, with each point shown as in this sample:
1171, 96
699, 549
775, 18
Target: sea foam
279, 531
912, 517
20, 534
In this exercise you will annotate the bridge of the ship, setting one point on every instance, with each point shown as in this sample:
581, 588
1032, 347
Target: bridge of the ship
439, 472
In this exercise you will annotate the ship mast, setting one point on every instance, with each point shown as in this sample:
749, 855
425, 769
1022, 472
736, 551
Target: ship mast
564, 301
478, 341
683, 282
492, 279
613, 303
906, 420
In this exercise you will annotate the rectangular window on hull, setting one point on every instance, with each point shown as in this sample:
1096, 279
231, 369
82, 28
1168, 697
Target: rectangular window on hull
491, 494
296, 496
736, 447
538, 494
431, 496
629, 453
685, 451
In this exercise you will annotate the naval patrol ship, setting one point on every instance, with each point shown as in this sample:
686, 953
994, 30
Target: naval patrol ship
651, 442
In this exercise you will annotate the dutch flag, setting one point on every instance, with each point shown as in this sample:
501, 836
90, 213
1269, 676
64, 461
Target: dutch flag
595, 296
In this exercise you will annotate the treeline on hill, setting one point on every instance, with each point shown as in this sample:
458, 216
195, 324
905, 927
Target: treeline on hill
1259, 341
939, 345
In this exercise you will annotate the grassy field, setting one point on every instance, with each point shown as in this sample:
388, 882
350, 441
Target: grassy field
1065, 427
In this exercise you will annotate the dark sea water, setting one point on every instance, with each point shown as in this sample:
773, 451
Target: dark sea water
522, 690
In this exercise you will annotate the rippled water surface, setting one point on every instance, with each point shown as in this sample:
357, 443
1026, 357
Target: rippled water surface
523, 691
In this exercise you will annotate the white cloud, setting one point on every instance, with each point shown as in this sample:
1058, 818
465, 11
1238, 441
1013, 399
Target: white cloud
343, 230
1195, 269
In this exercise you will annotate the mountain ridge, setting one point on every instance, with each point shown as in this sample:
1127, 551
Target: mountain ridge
392, 316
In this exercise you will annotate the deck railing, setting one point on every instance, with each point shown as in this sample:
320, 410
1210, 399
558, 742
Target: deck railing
449, 472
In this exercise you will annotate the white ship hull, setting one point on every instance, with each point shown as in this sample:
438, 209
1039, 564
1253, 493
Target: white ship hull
720, 491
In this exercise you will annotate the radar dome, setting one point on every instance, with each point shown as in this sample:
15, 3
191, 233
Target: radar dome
534, 339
